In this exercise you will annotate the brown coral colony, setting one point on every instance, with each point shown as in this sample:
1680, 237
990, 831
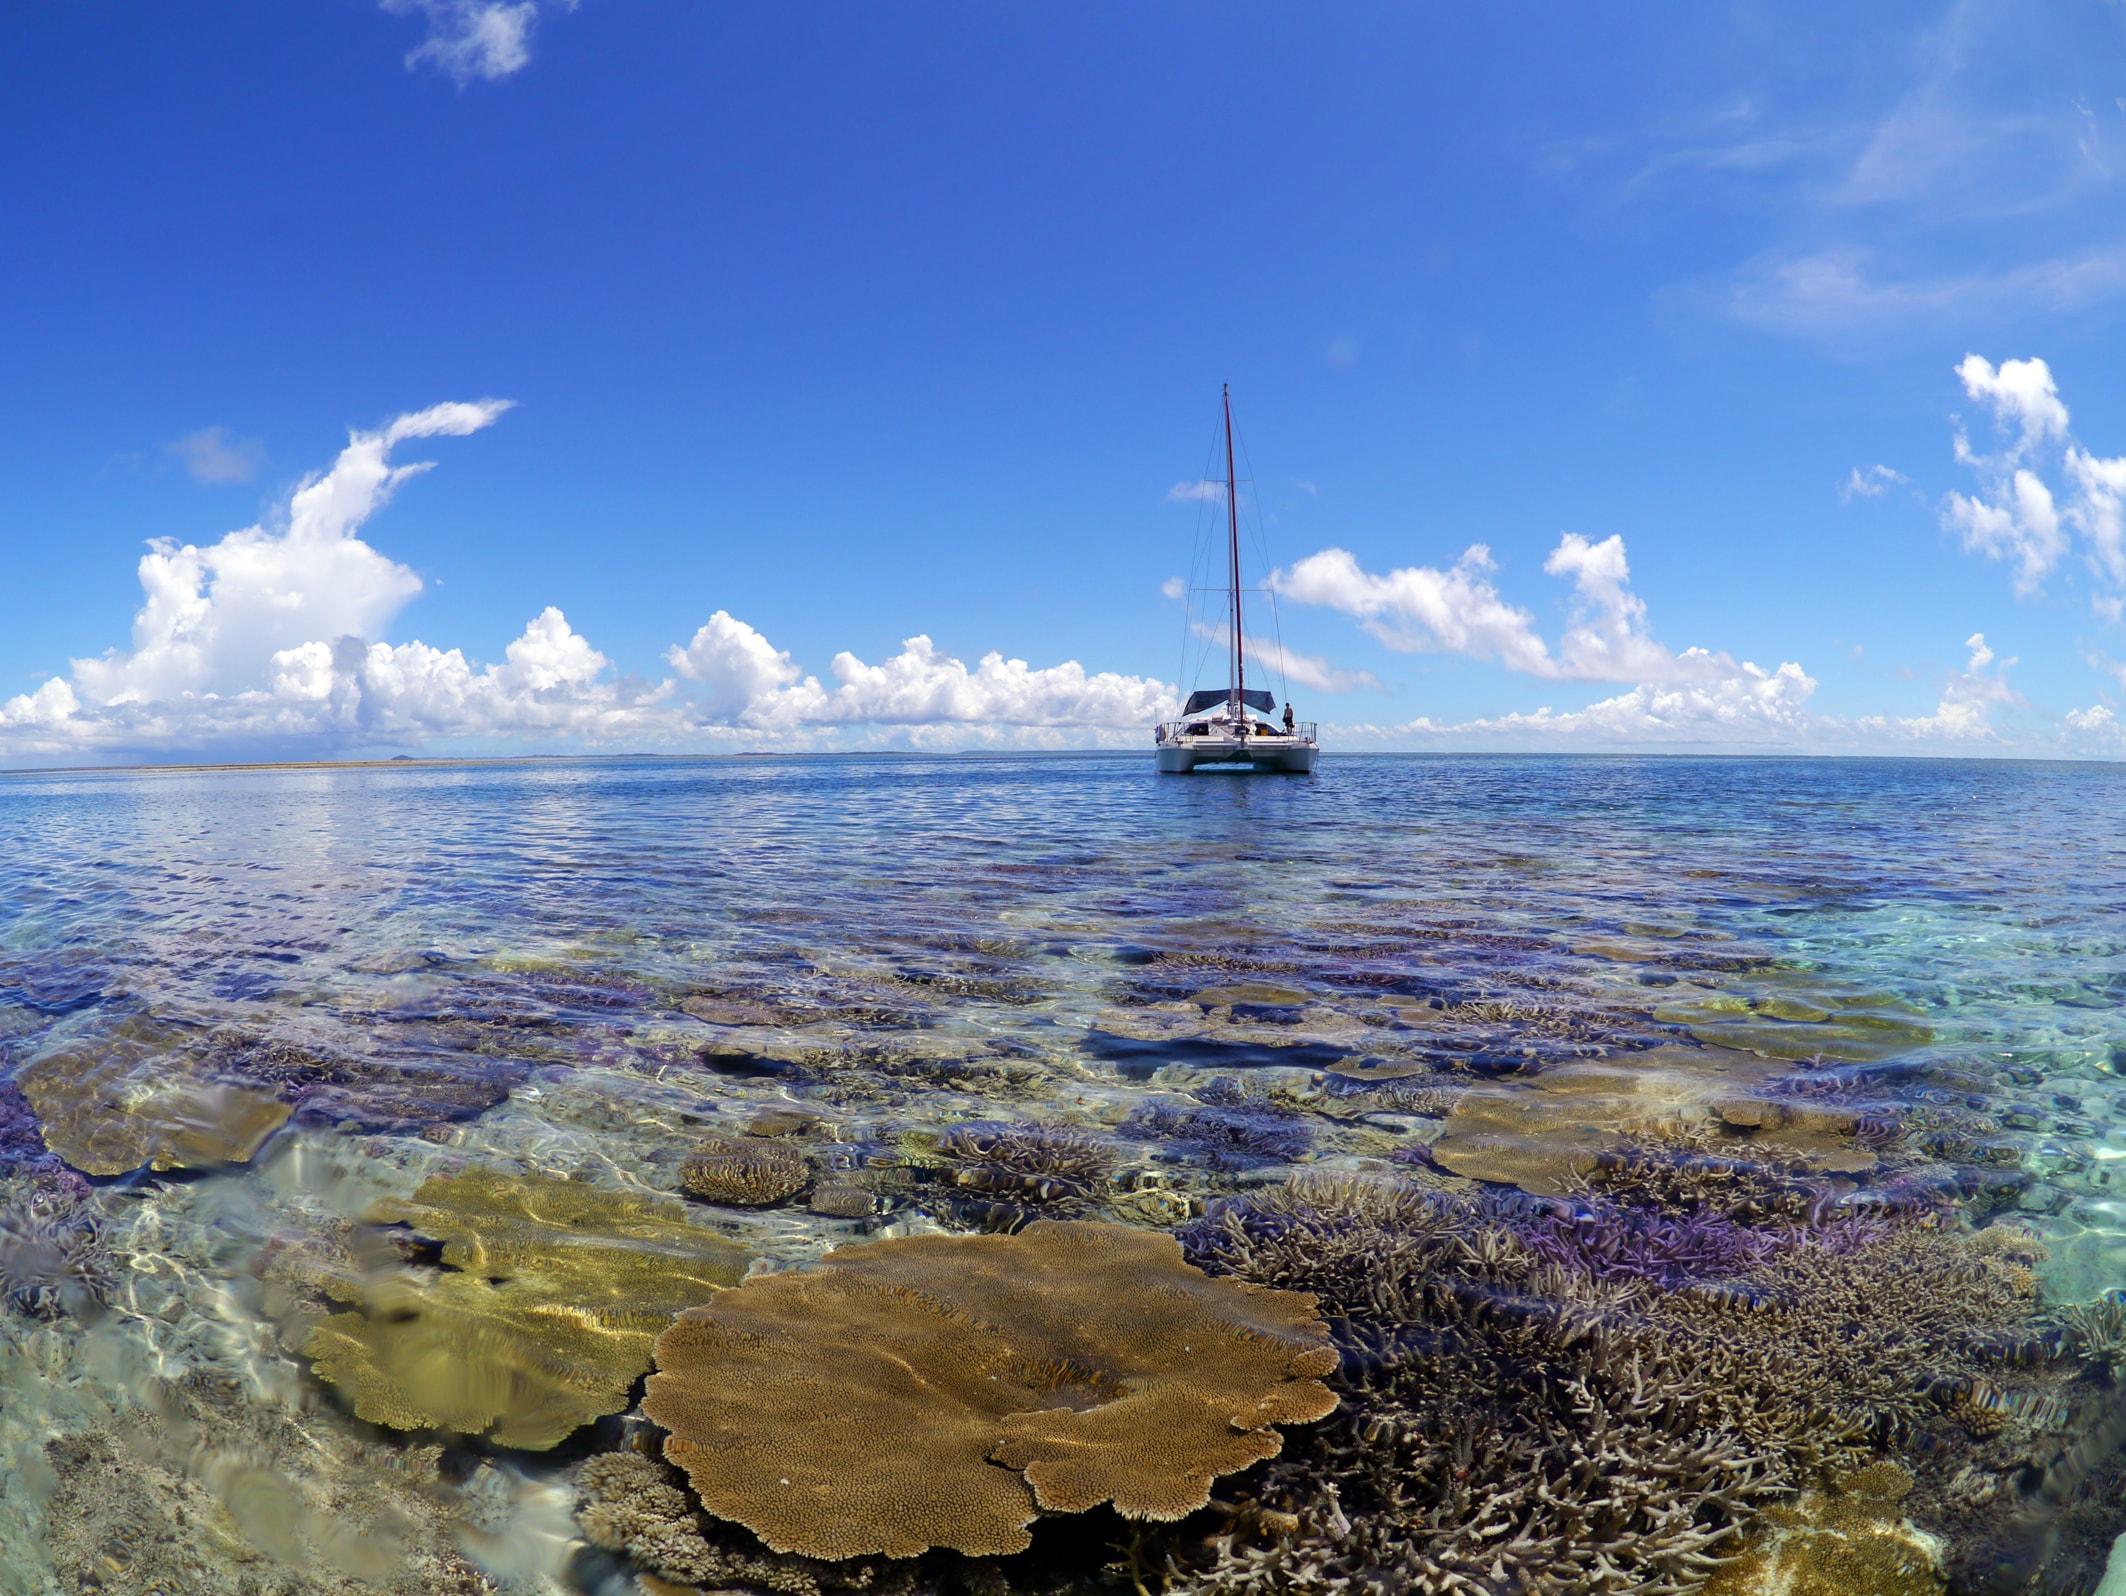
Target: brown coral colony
747, 1172
865, 1406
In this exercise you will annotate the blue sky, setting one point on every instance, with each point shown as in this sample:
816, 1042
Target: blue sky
825, 328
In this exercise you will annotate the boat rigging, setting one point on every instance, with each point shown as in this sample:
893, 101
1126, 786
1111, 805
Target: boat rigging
1215, 726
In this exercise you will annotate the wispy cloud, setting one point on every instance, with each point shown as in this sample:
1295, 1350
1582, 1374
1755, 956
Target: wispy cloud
1838, 292
1308, 670
471, 39
1205, 492
1870, 483
213, 455
1968, 167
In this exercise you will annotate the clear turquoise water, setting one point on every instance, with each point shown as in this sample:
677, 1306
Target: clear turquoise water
574, 968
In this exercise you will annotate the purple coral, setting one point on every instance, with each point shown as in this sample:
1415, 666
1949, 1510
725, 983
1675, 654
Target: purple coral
1220, 1138
1617, 1242
22, 1148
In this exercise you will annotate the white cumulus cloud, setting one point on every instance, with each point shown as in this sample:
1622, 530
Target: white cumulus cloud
1750, 706
2019, 516
1968, 699
270, 639
213, 616
1421, 609
922, 685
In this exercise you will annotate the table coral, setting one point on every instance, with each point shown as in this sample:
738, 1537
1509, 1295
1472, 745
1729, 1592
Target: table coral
864, 1406
542, 1317
135, 1096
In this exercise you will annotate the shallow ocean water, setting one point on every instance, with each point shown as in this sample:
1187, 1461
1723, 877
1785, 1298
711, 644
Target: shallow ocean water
310, 991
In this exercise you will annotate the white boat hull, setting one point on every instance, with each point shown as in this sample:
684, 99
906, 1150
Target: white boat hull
1278, 755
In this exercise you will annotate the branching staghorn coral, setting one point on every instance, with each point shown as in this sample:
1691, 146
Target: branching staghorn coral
1515, 1421
2099, 1328
866, 1406
52, 1257
1036, 1162
1221, 1138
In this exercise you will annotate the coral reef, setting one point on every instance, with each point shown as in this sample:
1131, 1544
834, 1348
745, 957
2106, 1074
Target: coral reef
22, 1147
52, 1257
550, 1296
1796, 1014
864, 1406
374, 1093
635, 1505
1552, 1133
1850, 1540
1221, 1138
1527, 1410
203, 1493
2099, 1328
1037, 1162
134, 1096
746, 1172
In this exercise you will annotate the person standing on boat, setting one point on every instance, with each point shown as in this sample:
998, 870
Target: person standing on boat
1289, 722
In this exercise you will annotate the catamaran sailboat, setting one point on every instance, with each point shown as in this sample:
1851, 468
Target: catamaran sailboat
1217, 726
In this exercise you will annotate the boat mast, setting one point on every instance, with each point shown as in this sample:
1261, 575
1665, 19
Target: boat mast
1237, 705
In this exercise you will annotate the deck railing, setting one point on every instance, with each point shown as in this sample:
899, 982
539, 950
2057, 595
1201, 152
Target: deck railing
1169, 729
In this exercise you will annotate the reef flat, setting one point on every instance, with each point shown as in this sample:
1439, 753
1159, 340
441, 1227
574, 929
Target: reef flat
975, 1177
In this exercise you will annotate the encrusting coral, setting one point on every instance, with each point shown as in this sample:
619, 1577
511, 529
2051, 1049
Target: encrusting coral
1519, 1418
135, 1096
1852, 1540
865, 1406
542, 1317
748, 1172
